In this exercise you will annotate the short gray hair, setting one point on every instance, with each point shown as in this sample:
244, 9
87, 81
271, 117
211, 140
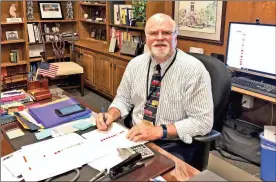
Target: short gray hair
158, 16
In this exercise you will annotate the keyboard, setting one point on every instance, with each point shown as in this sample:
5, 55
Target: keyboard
254, 86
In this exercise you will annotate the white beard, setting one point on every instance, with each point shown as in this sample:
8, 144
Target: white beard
160, 53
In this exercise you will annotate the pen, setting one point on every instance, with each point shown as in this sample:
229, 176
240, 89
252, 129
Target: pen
103, 112
99, 175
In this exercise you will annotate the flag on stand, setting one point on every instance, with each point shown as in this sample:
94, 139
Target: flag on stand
46, 69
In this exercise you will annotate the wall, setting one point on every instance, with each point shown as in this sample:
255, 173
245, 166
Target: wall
240, 11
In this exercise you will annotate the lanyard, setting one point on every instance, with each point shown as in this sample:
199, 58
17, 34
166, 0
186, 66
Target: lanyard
148, 95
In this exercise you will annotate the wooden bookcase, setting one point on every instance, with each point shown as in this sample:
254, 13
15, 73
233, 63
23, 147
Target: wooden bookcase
22, 44
103, 70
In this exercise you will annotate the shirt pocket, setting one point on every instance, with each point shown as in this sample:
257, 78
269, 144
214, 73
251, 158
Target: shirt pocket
173, 108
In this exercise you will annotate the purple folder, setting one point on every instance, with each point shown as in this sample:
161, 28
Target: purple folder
46, 115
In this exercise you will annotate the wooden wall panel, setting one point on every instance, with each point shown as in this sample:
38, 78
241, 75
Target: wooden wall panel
235, 11
240, 11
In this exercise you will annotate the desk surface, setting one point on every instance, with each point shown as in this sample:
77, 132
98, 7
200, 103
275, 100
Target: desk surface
254, 94
181, 172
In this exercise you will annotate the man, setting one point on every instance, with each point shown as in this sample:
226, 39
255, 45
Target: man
169, 91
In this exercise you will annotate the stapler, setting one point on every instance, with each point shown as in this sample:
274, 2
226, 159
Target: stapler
130, 164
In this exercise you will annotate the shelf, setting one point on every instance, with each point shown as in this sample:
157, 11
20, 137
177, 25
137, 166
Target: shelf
9, 64
14, 80
51, 21
10, 23
93, 22
12, 41
92, 4
254, 94
96, 40
128, 27
48, 58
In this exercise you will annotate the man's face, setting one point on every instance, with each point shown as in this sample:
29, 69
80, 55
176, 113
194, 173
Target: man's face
161, 38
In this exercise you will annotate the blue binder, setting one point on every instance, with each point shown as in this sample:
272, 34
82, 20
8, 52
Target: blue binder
46, 115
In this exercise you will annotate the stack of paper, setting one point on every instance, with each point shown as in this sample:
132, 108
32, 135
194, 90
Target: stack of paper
10, 170
56, 156
270, 133
110, 140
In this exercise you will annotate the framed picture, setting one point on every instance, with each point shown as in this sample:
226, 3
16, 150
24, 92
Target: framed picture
50, 10
200, 20
12, 35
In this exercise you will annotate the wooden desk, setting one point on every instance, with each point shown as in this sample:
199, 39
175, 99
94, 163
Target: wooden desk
254, 94
181, 172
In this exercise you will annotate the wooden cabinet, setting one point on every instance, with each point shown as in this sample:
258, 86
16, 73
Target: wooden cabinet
104, 70
119, 67
89, 60
102, 73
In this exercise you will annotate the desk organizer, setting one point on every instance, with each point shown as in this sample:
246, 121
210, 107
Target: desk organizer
39, 90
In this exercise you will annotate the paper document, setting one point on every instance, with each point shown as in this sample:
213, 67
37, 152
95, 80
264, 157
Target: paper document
11, 163
56, 156
270, 133
6, 175
107, 161
113, 138
70, 127
109, 141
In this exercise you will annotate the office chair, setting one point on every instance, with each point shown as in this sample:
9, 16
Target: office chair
221, 88
65, 68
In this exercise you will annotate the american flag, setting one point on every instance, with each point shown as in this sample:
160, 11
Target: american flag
46, 69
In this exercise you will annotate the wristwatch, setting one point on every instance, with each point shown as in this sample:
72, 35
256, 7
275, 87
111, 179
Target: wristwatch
165, 131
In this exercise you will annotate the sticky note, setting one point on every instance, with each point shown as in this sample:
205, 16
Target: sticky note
83, 125
43, 134
14, 133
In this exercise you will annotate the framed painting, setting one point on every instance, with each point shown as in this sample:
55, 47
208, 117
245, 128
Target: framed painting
50, 10
200, 20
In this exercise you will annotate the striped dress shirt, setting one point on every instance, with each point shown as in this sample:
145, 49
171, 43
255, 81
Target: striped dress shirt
185, 95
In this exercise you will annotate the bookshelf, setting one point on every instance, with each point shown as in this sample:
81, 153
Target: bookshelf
96, 58
22, 44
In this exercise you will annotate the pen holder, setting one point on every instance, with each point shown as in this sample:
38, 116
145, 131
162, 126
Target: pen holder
39, 89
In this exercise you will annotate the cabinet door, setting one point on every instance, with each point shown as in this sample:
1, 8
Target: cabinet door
104, 74
118, 72
88, 60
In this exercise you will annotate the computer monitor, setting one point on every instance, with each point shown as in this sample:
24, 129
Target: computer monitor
251, 49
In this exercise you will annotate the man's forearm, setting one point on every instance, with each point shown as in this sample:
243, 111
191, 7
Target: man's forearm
115, 113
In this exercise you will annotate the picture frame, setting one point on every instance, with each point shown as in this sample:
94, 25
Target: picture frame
12, 35
200, 20
50, 10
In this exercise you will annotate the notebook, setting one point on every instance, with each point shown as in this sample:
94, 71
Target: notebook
5, 119
46, 115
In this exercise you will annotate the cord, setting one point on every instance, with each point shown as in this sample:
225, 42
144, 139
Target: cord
76, 177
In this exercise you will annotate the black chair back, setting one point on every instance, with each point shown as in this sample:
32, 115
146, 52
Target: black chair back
221, 85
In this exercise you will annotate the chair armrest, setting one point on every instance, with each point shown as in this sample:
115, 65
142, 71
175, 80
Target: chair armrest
213, 135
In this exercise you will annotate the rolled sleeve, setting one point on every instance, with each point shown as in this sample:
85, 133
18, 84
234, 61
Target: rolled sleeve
199, 107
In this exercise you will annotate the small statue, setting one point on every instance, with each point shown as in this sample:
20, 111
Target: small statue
30, 10
69, 7
85, 16
12, 11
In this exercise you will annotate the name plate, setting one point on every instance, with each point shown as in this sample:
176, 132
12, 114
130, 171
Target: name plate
14, 19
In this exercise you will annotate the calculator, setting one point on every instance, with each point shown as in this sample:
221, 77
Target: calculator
141, 148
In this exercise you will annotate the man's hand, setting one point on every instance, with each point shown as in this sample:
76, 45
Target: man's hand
101, 125
145, 132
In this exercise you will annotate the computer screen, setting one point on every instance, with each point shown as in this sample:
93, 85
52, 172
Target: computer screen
251, 49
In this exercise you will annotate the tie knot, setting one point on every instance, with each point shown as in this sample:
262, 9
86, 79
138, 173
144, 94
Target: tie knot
158, 67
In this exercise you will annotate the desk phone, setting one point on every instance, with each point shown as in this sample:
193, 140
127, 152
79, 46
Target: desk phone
141, 148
